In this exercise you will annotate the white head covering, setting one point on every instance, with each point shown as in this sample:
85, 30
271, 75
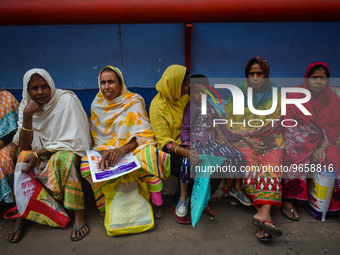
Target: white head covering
61, 124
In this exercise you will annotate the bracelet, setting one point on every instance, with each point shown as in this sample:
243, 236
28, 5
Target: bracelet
36, 155
176, 149
322, 147
26, 129
129, 146
247, 137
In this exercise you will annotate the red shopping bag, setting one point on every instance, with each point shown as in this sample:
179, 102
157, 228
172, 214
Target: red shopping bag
41, 207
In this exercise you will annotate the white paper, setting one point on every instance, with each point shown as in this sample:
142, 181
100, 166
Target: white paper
126, 164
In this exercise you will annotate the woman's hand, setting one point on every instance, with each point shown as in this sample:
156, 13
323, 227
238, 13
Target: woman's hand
192, 156
110, 157
318, 154
32, 107
236, 145
31, 161
256, 145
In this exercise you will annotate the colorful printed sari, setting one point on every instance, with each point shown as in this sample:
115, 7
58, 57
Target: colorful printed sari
307, 135
114, 123
264, 187
8, 124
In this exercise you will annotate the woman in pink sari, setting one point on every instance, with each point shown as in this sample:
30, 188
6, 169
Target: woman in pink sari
313, 138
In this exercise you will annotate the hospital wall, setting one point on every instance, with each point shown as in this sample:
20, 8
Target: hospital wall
74, 54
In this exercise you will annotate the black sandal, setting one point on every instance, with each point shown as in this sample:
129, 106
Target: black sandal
15, 231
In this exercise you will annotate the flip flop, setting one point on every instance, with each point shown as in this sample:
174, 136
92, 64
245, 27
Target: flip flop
264, 238
269, 229
291, 210
209, 211
14, 231
180, 220
77, 229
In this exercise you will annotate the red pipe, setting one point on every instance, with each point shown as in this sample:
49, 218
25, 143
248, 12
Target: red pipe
44, 12
187, 45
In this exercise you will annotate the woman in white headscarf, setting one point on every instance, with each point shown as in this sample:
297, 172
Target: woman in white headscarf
53, 134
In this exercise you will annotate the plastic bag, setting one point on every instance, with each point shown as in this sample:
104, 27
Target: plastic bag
320, 191
34, 202
127, 206
201, 191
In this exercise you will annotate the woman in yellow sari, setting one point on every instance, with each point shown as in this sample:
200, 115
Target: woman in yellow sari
120, 124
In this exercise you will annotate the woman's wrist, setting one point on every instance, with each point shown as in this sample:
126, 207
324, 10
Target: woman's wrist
128, 146
324, 148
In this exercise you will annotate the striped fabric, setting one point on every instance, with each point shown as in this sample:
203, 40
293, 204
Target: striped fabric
61, 178
155, 165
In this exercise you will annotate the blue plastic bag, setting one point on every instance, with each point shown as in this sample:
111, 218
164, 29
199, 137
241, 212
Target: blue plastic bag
201, 191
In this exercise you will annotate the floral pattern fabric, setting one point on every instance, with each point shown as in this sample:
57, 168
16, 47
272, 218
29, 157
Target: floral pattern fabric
8, 123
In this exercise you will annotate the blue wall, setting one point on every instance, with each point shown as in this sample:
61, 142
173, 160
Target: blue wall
74, 54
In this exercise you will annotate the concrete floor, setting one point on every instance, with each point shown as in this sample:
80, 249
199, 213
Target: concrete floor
230, 232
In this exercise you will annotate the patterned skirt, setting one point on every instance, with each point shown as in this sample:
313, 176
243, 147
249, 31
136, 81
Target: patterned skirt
295, 186
155, 165
263, 187
233, 157
7, 168
60, 177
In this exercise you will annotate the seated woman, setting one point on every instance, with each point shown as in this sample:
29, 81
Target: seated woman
166, 115
53, 133
313, 138
8, 126
120, 124
264, 187
198, 131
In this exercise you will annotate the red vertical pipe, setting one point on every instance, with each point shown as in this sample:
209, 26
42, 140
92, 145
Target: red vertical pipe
187, 44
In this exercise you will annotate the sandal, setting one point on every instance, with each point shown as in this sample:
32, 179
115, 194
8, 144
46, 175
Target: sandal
209, 211
15, 231
269, 229
292, 210
156, 213
77, 230
264, 238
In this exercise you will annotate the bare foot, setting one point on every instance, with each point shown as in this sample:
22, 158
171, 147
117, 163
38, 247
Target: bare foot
264, 217
18, 227
80, 229
263, 235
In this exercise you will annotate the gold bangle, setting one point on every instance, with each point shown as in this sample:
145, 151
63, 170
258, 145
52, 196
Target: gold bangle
36, 155
129, 146
176, 149
247, 137
25, 129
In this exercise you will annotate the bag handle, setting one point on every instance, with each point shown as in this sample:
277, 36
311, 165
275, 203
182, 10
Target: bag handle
17, 215
33, 178
322, 161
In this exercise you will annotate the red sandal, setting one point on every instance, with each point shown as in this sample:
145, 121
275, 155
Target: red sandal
209, 211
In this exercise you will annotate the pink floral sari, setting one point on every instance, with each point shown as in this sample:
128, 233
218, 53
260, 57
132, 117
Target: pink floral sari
307, 135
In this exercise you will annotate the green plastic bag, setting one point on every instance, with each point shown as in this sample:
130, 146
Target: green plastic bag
201, 191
